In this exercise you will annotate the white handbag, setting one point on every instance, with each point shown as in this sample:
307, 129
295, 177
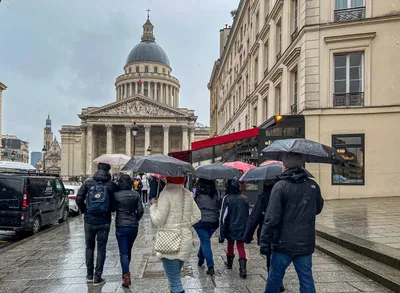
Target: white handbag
170, 242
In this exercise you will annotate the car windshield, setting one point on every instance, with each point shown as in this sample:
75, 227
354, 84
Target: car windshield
70, 191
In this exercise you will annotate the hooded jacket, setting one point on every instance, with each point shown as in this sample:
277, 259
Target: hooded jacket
128, 205
102, 175
294, 203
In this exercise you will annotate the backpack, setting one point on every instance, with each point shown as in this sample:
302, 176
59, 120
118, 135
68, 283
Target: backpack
136, 185
97, 200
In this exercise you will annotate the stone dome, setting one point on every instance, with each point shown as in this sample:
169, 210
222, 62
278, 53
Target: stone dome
148, 50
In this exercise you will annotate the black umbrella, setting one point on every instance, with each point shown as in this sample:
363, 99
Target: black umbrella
160, 164
313, 152
217, 171
267, 172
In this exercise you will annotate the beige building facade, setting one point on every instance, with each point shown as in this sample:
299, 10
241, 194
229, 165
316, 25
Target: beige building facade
331, 61
14, 149
2, 88
147, 95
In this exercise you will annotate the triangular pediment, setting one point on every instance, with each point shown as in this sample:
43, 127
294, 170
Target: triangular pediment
137, 106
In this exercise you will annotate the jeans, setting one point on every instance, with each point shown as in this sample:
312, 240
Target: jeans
172, 269
144, 196
239, 246
205, 251
125, 237
279, 264
91, 233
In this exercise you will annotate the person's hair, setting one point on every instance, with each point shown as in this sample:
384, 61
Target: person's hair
125, 182
292, 160
207, 187
233, 187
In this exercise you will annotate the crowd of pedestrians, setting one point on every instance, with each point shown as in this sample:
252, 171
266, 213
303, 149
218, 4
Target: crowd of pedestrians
283, 216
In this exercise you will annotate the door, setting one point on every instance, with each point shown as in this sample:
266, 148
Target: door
10, 201
60, 199
41, 191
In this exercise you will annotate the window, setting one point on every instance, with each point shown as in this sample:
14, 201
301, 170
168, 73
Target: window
295, 91
295, 12
278, 100
137, 69
155, 69
246, 122
255, 73
255, 116
239, 127
349, 80
266, 8
266, 54
130, 69
352, 149
163, 70
278, 40
257, 24
146, 69
247, 84
265, 108
347, 10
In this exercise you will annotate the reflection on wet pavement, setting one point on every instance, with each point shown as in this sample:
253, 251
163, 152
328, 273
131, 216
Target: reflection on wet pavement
54, 262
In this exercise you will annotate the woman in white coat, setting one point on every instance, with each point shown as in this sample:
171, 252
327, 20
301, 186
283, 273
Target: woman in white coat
167, 212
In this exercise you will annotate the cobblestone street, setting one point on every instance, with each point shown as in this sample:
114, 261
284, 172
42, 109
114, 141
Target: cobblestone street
53, 261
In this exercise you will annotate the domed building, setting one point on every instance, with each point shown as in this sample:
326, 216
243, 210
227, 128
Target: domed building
147, 97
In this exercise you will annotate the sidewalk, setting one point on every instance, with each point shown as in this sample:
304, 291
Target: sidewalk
54, 262
376, 219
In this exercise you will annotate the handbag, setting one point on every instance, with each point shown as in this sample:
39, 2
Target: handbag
170, 242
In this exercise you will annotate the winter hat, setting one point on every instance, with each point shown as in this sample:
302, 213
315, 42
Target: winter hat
176, 180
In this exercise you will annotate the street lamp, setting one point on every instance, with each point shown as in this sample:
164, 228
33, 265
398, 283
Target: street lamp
134, 130
148, 151
44, 150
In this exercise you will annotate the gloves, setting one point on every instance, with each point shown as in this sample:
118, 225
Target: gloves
264, 250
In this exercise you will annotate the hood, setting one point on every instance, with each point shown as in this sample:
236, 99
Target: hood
102, 176
294, 175
104, 167
125, 182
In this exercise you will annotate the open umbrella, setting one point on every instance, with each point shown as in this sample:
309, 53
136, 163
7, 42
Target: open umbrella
217, 171
242, 167
312, 152
270, 162
159, 164
113, 159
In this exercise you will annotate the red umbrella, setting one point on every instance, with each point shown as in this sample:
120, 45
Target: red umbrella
158, 176
270, 162
242, 167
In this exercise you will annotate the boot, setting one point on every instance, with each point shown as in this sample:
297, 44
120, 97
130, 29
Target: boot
282, 289
200, 263
242, 268
211, 271
127, 280
229, 261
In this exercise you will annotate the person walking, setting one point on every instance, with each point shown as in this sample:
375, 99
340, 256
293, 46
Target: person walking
129, 211
145, 186
256, 219
138, 185
208, 200
290, 225
175, 211
95, 200
233, 219
156, 187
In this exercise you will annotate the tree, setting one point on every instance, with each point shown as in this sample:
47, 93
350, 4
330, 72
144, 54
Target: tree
233, 13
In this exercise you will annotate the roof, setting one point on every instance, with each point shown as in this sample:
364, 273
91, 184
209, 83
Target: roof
148, 51
2, 86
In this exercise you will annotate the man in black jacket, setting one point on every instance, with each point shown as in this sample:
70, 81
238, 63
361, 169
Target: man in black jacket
290, 225
96, 224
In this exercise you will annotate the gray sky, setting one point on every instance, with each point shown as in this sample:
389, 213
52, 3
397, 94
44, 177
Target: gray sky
58, 56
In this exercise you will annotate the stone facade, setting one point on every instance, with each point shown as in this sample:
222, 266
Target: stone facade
14, 149
329, 60
147, 95
2, 88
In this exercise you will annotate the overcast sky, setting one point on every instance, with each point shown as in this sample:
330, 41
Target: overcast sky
59, 56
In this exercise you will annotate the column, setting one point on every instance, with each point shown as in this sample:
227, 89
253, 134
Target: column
128, 140
184, 138
116, 93
167, 95
162, 93
166, 139
177, 97
109, 148
83, 150
155, 92
89, 150
126, 91
142, 88
136, 88
191, 134
130, 89
147, 129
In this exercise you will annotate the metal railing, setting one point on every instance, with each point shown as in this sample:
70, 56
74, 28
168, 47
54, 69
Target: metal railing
348, 99
293, 109
349, 14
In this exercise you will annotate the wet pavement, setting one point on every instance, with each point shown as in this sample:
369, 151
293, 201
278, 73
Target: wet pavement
53, 261
375, 219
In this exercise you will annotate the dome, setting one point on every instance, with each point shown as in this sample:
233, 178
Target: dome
148, 50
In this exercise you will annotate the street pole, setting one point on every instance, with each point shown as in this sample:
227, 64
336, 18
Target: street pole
135, 130
44, 150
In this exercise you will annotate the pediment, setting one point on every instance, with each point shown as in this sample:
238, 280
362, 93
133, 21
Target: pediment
137, 107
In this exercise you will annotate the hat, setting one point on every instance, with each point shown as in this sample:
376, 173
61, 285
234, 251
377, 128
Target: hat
176, 180
138, 177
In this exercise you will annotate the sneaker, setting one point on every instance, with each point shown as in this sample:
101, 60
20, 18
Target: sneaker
89, 279
98, 281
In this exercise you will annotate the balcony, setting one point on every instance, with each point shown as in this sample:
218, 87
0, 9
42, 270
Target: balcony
348, 100
279, 55
293, 109
349, 14
295, 34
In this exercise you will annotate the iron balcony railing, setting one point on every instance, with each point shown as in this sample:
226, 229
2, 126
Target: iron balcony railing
293, 109
349, 14
348, 99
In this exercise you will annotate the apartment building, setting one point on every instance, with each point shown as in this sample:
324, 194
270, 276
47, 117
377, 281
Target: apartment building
331, 62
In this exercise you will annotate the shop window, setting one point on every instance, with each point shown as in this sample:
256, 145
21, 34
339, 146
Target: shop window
352, 149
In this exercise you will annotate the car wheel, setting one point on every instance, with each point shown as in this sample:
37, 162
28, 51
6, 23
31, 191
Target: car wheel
36, 225
65, 215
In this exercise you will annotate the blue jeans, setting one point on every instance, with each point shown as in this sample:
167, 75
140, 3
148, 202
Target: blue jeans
125, 237
172, 269
205, 251
279, 264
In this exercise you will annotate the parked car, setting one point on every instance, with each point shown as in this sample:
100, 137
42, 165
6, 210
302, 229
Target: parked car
29, 201
72, 191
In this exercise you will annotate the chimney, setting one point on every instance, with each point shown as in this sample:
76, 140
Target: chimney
223, 37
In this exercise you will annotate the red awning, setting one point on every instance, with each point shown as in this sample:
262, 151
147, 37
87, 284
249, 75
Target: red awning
182, 155
201, 144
